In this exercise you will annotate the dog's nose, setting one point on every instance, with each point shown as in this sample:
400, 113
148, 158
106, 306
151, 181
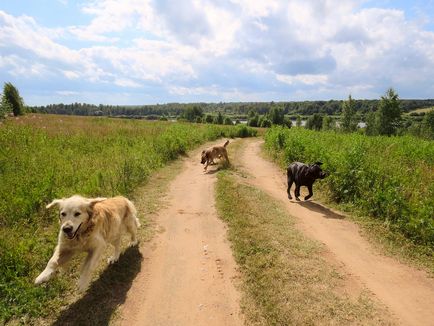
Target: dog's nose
67, 229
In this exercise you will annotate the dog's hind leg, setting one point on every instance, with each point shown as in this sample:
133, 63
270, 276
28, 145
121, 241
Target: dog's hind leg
226, 158
132, 230
133, 223
297, 191
310, 192
290, 181
58, 259
117, 245
88, 267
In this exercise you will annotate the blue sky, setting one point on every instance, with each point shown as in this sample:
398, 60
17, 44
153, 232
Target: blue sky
159, 51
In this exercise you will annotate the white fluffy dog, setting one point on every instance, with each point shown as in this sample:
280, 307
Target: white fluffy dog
87, 225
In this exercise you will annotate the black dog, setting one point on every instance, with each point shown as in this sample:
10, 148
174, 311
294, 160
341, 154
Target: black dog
303, 175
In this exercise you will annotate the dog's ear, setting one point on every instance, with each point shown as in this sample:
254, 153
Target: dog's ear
93, 201
54, 202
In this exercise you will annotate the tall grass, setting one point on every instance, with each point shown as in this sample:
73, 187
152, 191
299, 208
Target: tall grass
46, 157
389, 178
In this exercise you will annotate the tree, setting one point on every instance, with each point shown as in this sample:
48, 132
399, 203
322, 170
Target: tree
218, 119
371, 124
191, 113
389, 113
11, 100
208, 118
298, 121
428, 124
349, 117
314, 122
264, 122
277, 115
253, 121
328, 123
228, 121
287, 122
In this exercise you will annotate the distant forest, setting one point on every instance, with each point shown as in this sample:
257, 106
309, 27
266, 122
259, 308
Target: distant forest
236, 110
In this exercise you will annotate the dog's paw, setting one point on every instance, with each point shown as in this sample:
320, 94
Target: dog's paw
289, 197
297, 199
43, 277
307, 197
133, 243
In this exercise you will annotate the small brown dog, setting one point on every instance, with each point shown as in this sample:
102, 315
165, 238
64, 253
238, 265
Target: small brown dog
210, 154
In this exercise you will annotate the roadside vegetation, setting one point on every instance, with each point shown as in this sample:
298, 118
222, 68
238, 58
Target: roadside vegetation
44, 157
285, 279
388, 178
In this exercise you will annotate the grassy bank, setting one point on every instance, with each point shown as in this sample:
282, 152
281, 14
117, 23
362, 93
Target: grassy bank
388, 178
284, 278
46, 157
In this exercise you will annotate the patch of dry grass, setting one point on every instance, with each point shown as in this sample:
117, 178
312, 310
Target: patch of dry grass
286, 279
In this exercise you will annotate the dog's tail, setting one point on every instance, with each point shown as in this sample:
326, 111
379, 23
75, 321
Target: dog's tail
226, 144
133, 212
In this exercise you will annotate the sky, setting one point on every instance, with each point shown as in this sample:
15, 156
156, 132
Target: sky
134, 52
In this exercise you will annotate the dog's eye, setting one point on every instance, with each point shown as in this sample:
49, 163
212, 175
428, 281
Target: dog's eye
77, 214
63, 214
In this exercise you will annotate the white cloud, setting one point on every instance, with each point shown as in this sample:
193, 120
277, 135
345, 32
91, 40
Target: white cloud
67, 93
304, 79
239, 48
71, 74
124, 82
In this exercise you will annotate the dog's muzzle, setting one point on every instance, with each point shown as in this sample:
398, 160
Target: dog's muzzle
68, 231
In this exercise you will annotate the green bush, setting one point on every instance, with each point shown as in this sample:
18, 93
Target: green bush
389, 178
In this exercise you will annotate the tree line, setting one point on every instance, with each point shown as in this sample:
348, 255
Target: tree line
385, 119
305, 108
381, 117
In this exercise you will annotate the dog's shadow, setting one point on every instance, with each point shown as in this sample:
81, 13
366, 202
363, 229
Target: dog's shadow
109, 291
327, 212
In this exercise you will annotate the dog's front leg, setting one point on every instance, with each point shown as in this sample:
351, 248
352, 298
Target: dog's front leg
58, 259
88, 267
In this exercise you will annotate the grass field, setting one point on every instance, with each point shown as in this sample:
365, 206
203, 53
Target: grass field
44, 157
388, 178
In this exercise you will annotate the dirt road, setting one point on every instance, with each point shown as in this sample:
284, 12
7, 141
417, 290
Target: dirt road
407, 292
187, 277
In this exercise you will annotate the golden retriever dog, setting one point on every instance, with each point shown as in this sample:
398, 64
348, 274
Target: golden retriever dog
87, 225
210, 154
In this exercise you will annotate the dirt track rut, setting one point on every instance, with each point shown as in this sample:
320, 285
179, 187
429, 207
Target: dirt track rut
187, 277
